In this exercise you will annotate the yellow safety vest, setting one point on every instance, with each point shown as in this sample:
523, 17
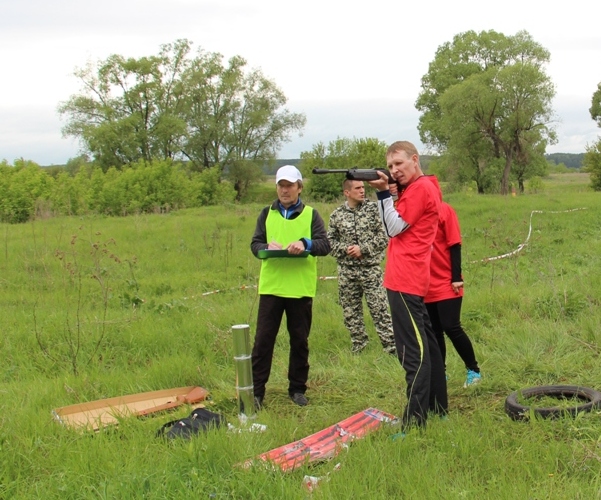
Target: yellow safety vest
291, 277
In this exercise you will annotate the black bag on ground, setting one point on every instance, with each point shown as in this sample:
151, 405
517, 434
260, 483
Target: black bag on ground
199, 420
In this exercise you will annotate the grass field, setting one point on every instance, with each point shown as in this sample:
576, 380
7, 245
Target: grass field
98, 307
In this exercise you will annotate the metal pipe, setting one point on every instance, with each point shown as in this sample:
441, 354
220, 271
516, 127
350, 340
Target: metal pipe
244, 375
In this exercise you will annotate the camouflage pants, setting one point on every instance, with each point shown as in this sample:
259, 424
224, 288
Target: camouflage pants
353, 283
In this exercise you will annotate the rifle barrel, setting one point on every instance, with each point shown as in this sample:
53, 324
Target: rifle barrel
329, 171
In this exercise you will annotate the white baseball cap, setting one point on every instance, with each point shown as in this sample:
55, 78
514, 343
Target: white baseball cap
288, 173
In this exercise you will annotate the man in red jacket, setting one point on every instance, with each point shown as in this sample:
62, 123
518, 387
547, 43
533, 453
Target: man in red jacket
412, 227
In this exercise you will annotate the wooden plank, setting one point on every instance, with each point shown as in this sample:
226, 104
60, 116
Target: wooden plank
103, 412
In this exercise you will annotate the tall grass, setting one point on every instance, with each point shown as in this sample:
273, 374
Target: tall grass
155, 310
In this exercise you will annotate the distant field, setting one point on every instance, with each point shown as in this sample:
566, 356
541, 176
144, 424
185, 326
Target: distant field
575, 179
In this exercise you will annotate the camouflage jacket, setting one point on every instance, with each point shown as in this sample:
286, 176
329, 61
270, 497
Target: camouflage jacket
359, 226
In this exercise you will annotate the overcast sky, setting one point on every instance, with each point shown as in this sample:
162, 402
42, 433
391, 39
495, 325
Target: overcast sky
353, 68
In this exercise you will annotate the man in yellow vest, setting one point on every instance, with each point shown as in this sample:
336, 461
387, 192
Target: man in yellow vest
288, 281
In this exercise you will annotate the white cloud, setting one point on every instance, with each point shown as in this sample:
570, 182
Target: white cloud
384, 119
333, 59
34, 133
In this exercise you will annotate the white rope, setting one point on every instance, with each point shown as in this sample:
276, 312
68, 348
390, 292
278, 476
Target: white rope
521, 246
243, 287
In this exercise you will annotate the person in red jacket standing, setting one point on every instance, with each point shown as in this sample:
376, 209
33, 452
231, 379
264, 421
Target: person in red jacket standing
411, 225
445, 294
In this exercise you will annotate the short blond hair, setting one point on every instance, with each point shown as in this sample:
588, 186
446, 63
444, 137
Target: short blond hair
406, 146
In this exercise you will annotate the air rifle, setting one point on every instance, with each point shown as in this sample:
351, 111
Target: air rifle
357, 174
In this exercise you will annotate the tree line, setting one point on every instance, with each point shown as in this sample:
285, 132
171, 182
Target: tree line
28, 191
184, 128
570, 160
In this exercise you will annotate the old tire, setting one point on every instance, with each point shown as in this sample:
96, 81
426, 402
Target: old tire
590, 399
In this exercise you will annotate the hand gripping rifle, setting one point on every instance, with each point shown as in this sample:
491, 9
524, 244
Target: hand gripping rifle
357, 174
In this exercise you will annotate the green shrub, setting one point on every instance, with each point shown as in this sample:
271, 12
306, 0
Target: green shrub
535, 185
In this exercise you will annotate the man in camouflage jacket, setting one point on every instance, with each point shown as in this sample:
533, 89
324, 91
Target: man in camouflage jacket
358, 243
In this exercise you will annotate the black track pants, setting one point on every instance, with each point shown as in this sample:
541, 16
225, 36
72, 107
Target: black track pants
420, 356
298, 322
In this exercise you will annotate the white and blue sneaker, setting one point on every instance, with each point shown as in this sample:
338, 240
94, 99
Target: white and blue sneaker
473, 378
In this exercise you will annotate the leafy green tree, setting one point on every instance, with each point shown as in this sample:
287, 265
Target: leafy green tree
206, 188
468, 157
369, 153
487, 98
233, 115
114, 197
96, 183
22, 185
557, 168
595, 109
592, 157
242, 174
65, 196
530, 163
179, 106
5, 178
75, 164
130, 108
592, 164
323, 187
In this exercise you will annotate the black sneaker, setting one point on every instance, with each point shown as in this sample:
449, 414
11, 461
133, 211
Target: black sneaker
299, 398
258, 403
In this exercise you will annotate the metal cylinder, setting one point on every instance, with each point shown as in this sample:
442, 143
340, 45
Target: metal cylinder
244, 374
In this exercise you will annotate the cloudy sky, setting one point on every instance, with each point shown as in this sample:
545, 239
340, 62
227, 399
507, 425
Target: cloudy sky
353, 68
